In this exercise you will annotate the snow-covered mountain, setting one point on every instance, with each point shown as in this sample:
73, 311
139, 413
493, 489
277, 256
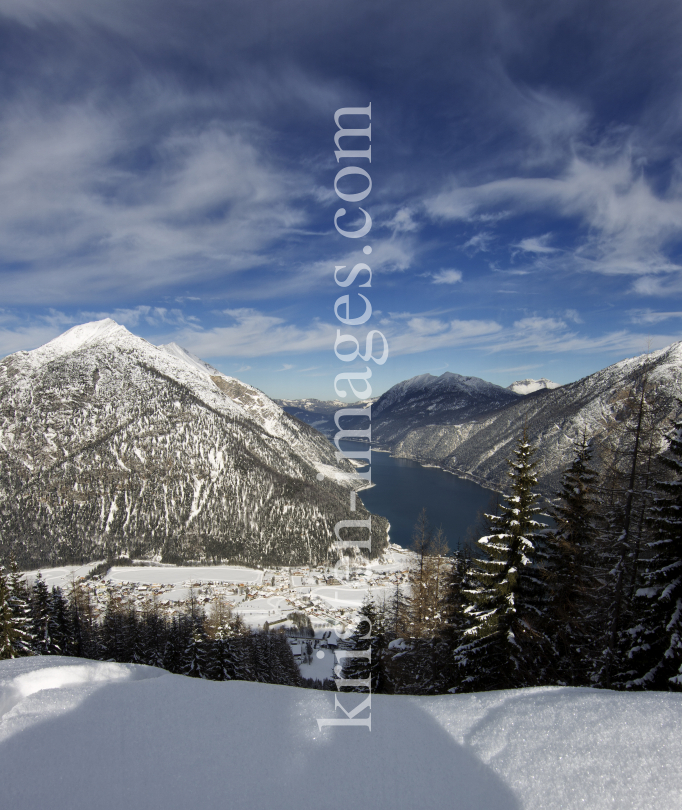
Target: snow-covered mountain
429, 400
530, 386
476, 444
320, 413
79, 734
111, 445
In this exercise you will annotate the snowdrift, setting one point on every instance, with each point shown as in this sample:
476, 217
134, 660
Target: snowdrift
82, 734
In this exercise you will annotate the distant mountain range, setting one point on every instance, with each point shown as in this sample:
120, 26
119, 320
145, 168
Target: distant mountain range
110, 445
468, 426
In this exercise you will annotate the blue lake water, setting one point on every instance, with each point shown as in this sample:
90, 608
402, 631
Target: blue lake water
403, 488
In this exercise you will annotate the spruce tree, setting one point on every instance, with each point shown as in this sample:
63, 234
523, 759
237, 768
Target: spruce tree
83, 621
656, 639
508, 645
63, 636
176, 642
195, 659
369, 639
8, 630
19, 602
45, 629
570, 573
633, 438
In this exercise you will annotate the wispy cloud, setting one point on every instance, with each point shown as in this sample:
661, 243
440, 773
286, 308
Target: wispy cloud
628, 225
479, 243
447, 277
536, 244
647, 316
83, 220
256, 334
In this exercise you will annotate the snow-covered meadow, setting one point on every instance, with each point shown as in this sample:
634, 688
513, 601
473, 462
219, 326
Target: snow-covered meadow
82, 734
172, 575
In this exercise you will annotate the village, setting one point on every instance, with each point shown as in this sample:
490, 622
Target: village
327, 595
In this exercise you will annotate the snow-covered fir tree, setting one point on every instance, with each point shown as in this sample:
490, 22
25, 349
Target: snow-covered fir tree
21, 611
508, 645
571, 572
8, 630
629, 455
656, 647
195, 659
367, 670
45, 629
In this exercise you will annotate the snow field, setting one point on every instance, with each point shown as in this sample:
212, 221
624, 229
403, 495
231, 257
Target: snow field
80, 734
147, 575
61, 577
345, 596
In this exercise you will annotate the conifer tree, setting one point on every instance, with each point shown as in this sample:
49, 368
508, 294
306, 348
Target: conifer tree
153, 635
63, 636
570, 573
397, 616
19, 602
45, 629
115, 635
656, 640
8, 630
82, 620
368, 670
508, 645
633, 438
195, 659
175, 646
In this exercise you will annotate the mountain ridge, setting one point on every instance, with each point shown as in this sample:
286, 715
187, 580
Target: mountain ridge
467, 426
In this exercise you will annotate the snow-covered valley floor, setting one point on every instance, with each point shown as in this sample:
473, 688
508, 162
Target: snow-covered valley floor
82, 734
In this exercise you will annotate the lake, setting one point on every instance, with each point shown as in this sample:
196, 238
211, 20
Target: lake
402, 488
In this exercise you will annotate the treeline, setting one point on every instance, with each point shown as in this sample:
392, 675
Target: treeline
219, 647
594, 601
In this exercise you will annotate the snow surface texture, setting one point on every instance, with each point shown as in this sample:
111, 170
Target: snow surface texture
81, 734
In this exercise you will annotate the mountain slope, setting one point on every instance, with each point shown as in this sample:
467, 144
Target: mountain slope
428, 400
111, 445
478, 446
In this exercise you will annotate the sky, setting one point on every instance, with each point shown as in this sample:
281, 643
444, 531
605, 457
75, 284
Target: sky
170, 164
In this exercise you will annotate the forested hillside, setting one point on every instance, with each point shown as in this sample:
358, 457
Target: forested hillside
109, 445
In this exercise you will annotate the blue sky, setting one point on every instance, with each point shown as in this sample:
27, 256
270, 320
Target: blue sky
170, 164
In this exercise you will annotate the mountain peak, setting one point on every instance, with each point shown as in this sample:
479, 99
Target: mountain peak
79, 336
528, 386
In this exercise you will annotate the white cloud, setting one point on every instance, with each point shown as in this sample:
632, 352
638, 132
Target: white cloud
25, 338
132, 316
255, 334
536, 244
629, 225
479, 242
447, 277
84, 221
402, 222
647, 316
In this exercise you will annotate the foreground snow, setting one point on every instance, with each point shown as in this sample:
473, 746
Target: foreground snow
81, 734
